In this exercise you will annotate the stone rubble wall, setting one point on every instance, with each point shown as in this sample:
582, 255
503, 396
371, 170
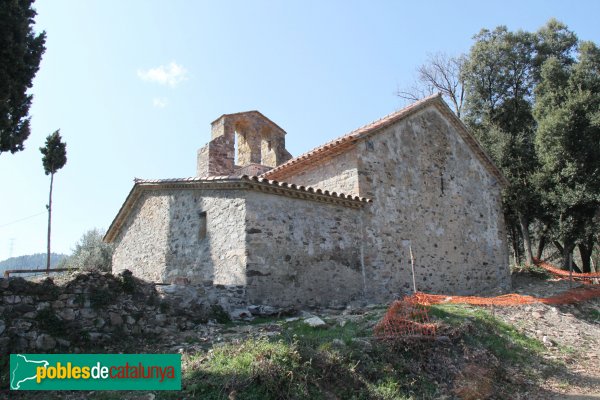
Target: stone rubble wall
93, 309
284, 251
430, 194
140, 246
251, 170
336, 174
216, 157
161, 241
302, 253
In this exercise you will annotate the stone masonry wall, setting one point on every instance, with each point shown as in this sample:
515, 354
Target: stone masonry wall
141, 244
162, 240
302, 252
92, 309
338, 173
430, 193
216, 157
272, 249
259, 141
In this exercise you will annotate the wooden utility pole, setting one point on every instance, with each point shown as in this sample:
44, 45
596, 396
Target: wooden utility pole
412, 266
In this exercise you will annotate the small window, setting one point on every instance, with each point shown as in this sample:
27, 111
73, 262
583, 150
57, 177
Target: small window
202, 225
269, 144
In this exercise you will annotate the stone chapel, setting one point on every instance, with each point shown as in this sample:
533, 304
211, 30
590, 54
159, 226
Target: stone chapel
331, 226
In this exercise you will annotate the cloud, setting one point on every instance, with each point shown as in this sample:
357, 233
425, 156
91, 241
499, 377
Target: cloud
160, 102
171, 74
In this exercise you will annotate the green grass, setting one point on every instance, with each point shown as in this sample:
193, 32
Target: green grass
595, 314
502, 339
256, 369
346, 362
263, 369
322, 336
307, 363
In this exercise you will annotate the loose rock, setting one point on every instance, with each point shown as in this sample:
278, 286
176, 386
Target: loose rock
315, 322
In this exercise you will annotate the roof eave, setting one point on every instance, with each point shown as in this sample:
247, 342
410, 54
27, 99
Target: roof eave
245, 182
354, 136
329, 148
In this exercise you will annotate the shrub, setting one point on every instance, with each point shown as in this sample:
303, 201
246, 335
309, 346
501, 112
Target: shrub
91, 253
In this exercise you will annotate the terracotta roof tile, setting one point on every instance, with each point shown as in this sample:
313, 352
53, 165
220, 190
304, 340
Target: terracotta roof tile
229, 182
340, 144
253, 178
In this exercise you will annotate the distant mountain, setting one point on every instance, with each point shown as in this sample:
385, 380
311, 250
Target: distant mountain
31, 261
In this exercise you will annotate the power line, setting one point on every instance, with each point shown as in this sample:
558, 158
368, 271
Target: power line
22, 219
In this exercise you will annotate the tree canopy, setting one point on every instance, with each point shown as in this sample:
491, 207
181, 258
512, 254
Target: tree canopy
20, 55
567, 110
54, 153
533, 101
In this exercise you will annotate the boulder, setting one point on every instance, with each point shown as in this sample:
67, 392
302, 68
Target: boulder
67, 314
45, 342
115, 319
267, 311
315, 322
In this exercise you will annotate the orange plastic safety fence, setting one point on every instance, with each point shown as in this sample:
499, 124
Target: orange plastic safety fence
406, 317
505, 300
562, 273
409, 317
571, 296
574, 296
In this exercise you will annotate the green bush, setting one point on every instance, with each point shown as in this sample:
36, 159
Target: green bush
90, 253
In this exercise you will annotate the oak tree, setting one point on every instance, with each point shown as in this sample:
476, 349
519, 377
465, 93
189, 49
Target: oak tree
567, 110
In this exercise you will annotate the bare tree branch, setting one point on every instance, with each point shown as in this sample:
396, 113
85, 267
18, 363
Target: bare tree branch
441, 73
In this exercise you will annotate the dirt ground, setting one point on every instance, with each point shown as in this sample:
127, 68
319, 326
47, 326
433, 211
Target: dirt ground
571, 334
569, 368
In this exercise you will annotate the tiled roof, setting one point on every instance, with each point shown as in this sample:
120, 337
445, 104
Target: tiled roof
226, 182
252, 179
347, 141
182, 180
342, 143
